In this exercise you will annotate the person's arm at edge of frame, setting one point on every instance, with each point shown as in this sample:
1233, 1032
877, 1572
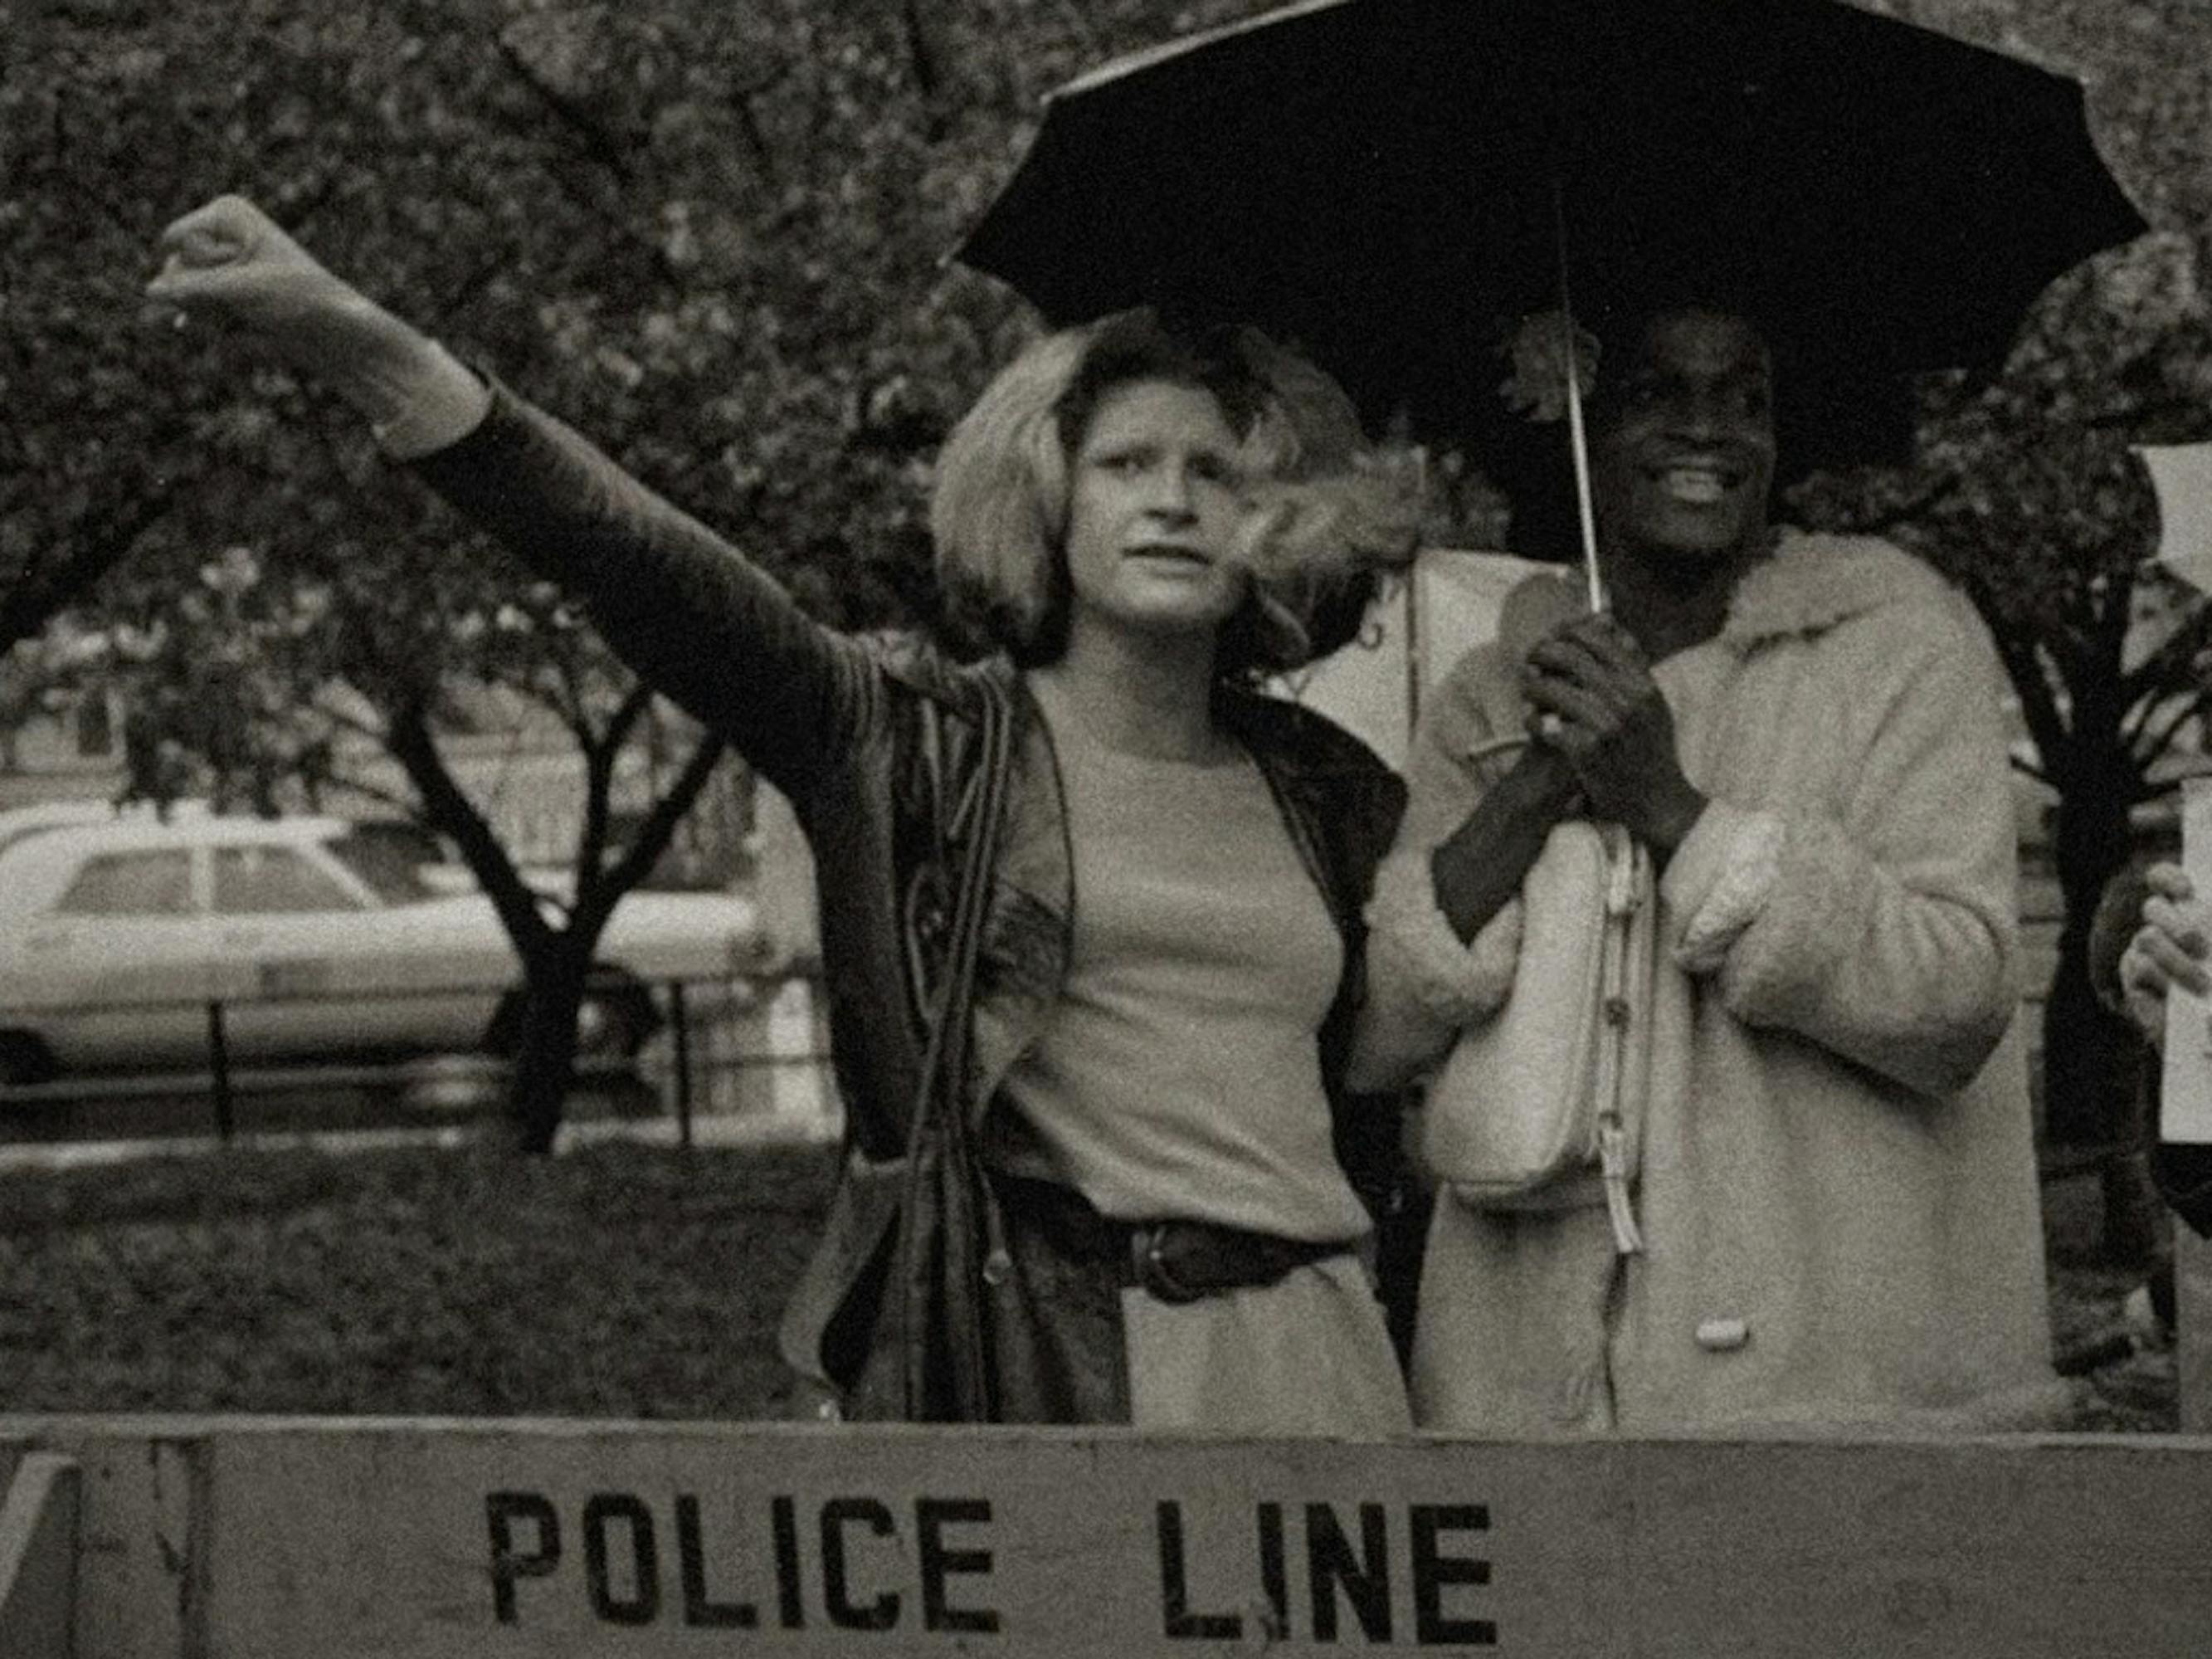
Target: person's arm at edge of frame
2171, 947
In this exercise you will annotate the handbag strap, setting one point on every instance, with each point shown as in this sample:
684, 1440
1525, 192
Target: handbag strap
1628, 888
983, 807
939, 1116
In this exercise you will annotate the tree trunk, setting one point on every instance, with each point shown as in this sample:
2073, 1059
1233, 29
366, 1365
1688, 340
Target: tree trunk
545, 1051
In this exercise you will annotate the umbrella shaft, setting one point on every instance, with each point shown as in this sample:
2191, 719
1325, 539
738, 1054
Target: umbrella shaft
1585, 508
1578, 433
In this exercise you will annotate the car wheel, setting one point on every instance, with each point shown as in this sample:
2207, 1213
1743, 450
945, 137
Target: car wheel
24, 1058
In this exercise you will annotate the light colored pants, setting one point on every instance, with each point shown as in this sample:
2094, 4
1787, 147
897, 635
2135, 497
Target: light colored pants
1306, 1355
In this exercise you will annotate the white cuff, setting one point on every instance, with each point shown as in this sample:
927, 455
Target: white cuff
1719, 880
1453, 982
439, 405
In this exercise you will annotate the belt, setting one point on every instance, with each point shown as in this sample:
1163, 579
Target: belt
1177, 1260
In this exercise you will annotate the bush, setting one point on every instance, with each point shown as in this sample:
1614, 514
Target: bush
615, 1281
618, 1282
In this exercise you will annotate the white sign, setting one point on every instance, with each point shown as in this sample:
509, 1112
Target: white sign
2182, 475
2186, 1086
1414, 633
403, 1539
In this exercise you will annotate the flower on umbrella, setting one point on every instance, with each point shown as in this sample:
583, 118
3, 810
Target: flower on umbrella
1539, 351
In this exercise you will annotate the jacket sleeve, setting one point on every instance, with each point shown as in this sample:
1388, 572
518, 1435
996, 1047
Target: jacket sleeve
1880, 925
683, 607
1424, 986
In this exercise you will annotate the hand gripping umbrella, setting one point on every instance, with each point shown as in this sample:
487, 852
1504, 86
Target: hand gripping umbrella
1377, 181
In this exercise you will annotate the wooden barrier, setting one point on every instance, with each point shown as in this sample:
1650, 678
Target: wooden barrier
39, 1537
2192, 1318
232, 1538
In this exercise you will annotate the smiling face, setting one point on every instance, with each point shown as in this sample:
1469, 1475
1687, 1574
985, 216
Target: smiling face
1682, 451
1154, 503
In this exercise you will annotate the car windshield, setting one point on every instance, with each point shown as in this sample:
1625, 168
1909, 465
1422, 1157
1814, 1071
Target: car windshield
391, 858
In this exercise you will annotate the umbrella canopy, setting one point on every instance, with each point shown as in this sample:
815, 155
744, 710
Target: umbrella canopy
1380, 180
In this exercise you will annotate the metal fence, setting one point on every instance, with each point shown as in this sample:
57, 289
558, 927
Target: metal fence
728, 1047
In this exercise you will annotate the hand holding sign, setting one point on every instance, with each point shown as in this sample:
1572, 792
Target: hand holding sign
2163, 974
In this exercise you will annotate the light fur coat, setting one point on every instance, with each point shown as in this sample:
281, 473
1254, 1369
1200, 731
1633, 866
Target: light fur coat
1837, 1188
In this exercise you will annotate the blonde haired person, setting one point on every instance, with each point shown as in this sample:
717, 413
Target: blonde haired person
1175, 1180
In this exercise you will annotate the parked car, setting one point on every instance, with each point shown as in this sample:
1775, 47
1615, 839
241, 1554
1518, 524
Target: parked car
17, 821
320, 937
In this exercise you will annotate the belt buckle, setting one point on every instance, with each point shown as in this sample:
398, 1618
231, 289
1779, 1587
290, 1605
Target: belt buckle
1153, 1272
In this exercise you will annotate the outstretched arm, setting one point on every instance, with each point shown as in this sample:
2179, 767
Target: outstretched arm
680, 605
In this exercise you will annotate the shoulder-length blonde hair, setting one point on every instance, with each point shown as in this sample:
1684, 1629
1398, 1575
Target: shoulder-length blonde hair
1326, 512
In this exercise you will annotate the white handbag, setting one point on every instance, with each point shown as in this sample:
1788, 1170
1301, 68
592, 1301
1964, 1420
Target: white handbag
1539, 1107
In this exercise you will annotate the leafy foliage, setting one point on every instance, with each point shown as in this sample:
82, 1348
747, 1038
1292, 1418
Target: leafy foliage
713, 237
2027, 491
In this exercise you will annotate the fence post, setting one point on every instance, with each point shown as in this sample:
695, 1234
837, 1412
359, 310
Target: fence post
219, 1065
681, 1015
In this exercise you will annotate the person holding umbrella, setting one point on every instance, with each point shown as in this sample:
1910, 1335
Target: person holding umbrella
1836, 1214
1835, 1218
1092, 906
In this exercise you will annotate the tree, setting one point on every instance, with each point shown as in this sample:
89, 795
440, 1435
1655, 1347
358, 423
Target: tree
710, 235
2027, 492
713, 237
255, 688
2049, 538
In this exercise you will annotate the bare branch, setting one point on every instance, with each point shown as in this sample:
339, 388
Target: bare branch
2155, 744
591, 133
34, 600
2174, 658
445, 807
658, 828
600, 756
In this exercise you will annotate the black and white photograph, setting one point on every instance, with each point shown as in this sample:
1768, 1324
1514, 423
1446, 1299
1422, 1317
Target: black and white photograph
1106, 827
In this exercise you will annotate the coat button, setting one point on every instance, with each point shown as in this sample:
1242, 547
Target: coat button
998, 1267
1722, 1335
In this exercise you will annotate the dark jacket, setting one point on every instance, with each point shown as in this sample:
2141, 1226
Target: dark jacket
875, 744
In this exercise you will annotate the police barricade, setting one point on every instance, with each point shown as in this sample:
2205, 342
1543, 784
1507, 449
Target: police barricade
199, 1538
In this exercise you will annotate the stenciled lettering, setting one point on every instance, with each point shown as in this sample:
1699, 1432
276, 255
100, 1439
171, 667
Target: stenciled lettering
790, 1604
699, 1612
1364, 1579
939, 1561
862, 1579
1275, 1572
849, 1561
642, 1605
1176, 1619
837, 1515
1354, 1559
509, 1561
1434, 1572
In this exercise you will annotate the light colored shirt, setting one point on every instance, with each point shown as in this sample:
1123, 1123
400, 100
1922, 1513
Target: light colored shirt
1181, 1074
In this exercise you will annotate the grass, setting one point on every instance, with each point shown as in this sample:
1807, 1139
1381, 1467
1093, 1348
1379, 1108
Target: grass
615, 1281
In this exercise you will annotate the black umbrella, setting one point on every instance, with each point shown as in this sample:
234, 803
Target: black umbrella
1380, 180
